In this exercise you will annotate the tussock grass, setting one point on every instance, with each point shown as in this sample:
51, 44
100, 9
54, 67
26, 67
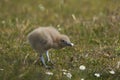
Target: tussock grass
93, 26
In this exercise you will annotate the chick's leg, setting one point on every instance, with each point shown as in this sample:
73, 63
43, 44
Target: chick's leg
47, 54
48, 58
43, 61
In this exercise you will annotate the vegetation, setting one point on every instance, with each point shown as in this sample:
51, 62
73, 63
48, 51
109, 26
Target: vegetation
92, 25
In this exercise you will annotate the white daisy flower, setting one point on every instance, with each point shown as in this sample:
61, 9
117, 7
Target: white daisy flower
82, 67
97, 74
69, 75
112, 72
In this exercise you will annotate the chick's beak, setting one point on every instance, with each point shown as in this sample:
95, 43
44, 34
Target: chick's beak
70, 44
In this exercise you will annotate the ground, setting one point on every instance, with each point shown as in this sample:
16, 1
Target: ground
92, 25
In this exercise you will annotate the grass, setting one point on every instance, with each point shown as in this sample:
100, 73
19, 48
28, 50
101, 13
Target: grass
93, 26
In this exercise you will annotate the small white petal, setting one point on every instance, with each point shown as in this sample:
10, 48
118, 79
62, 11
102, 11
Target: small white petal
49, 73
112, 72
82, 67
82, 79
97, 74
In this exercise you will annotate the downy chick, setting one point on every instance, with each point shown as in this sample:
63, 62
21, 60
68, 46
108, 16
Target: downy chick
44, 38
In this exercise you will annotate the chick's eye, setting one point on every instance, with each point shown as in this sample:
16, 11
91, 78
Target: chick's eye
62, 40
